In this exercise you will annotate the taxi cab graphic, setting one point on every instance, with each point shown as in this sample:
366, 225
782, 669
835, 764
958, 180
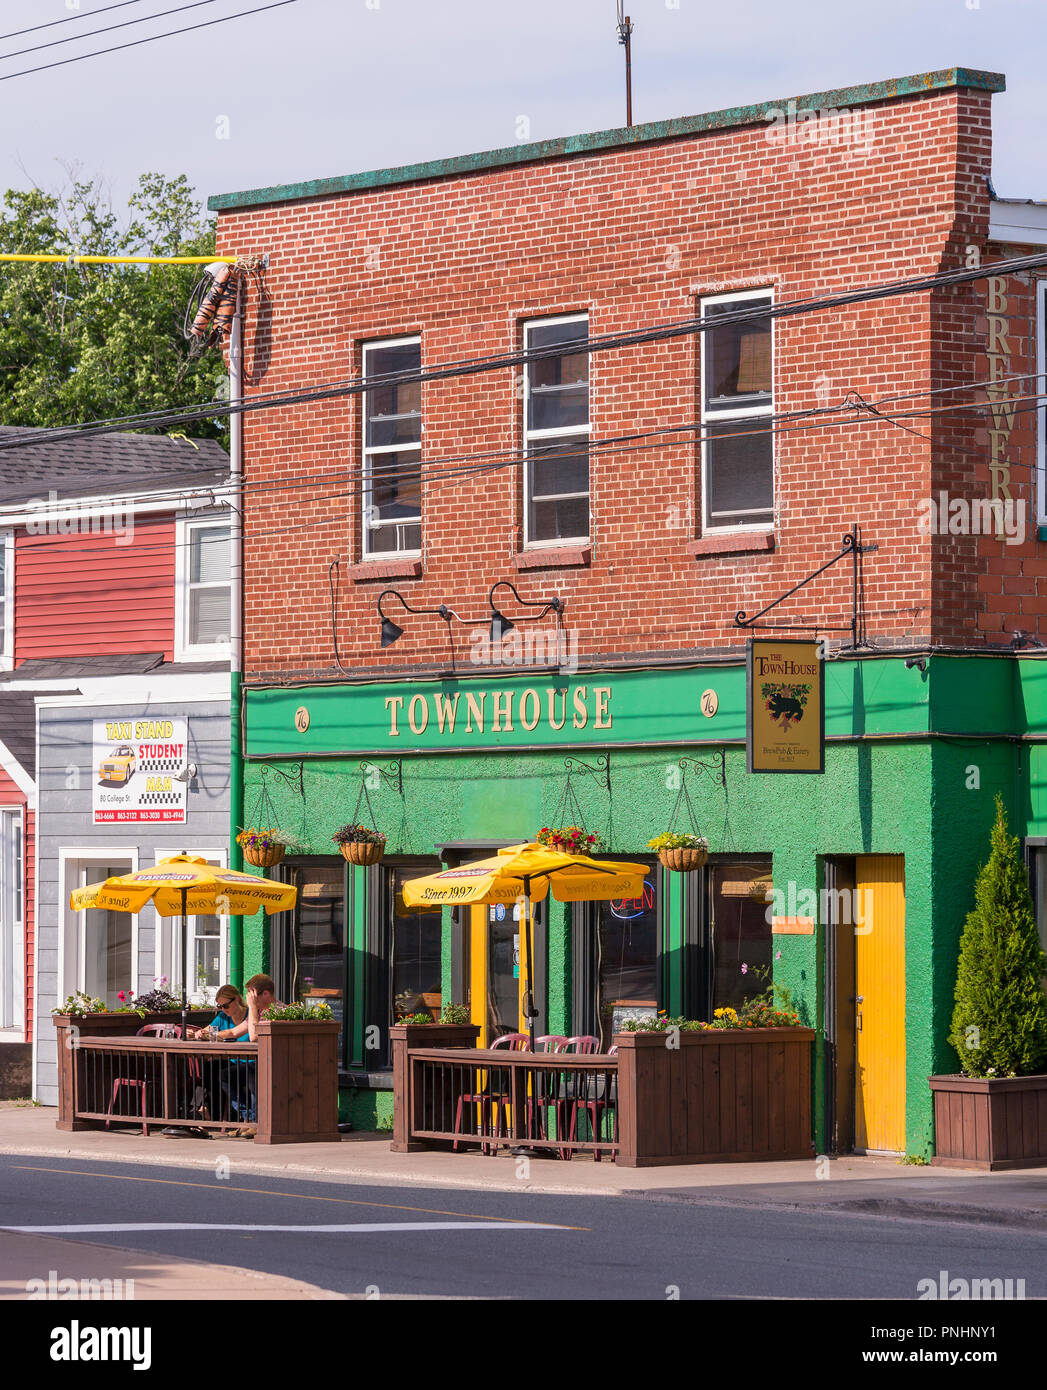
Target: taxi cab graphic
118, 767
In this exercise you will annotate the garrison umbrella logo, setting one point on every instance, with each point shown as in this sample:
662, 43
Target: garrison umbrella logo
784, 703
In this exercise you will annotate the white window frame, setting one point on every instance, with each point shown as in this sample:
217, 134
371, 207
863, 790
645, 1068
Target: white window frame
7, 617
1041, 409
741, 414
184, 650
12, 922
529, 435
367, 453
170, 926
71, 960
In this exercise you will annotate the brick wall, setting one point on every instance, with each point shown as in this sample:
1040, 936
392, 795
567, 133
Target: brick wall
633, 236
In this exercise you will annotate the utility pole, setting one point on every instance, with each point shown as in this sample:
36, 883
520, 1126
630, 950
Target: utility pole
625, 34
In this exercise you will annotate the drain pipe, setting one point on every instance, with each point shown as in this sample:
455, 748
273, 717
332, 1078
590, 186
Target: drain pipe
236, 608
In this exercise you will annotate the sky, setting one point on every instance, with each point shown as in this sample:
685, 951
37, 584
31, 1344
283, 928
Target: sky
318, 88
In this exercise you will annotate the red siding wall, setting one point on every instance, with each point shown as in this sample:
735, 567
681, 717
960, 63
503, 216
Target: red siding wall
12, 795
634, 236
83, 595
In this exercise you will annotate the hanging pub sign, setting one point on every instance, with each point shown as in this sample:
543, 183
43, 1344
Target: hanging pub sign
785, 697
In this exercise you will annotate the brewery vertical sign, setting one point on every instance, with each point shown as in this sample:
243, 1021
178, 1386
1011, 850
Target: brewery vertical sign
785, 696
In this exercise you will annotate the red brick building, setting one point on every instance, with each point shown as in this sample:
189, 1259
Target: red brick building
655, 488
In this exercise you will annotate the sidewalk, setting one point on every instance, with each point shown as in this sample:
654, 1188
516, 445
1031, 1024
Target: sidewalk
51, 1260
855, 1185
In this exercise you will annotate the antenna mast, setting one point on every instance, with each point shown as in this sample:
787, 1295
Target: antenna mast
625, 34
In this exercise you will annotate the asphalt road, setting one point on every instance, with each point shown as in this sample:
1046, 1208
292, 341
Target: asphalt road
357, 1238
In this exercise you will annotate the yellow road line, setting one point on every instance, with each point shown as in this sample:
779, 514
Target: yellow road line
264, 1192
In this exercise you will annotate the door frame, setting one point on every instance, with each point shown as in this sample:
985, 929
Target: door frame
839, 872
69, 961
12, 929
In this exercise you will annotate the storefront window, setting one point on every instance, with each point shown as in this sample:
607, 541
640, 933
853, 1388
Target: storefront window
416, 953
741, 931
319, 960
627, 964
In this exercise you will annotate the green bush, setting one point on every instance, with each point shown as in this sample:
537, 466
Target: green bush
999, 1024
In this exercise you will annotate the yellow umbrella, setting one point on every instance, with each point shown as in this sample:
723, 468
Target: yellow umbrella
182, 885
528, 871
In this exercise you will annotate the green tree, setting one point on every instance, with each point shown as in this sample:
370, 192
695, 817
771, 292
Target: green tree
82, 342
999, 1025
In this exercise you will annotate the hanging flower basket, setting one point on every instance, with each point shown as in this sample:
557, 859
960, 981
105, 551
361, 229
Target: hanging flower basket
569, 839
262, 848
681, 854
360, 844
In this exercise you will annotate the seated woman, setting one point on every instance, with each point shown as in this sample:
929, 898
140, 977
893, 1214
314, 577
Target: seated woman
226, 1087
232, 1012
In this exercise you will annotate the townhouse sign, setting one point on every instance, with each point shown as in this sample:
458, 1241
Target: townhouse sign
785, 683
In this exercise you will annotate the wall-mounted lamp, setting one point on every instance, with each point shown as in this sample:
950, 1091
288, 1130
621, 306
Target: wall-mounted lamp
392, 632
500, 625
920, 662
187, 773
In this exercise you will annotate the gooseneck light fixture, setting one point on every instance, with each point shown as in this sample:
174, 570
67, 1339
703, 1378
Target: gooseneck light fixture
392, 632
500, 625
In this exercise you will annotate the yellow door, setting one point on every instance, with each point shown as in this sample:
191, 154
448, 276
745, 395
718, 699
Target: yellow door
879, 970
497, 972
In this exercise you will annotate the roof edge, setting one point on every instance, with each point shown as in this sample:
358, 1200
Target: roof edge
920, 84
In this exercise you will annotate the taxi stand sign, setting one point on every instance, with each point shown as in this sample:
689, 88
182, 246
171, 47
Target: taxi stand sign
785, 699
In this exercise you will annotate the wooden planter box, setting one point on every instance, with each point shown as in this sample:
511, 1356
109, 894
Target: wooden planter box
727, 1095
990, 1122
297, 1082
404, 1036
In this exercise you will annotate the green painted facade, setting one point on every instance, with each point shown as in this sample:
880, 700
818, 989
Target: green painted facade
913, 763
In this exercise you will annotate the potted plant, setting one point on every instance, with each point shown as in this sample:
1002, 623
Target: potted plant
360, 844
569, 839
264, 848
682, 853
994, 1114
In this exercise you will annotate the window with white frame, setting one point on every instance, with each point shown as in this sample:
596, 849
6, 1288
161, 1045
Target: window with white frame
7, 599
203, 584
1041, 391
737, 404
556, 432
392, 449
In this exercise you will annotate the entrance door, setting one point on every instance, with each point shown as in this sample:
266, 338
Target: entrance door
498, 968
879, 970
12, 873
105, 945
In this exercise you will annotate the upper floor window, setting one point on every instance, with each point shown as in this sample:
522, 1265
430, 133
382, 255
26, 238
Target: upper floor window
737, 404
392, 449
1041, 391
7, 599
556, 432
202, 598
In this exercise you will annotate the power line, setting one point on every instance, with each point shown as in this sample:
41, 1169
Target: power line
496, 362
110, 29
360, 489
483, 461
17, 33
136, 43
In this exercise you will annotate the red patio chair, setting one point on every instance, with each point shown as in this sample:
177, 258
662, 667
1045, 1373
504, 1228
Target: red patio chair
547, 1092
597, 1096
133, 1083
512, 1042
